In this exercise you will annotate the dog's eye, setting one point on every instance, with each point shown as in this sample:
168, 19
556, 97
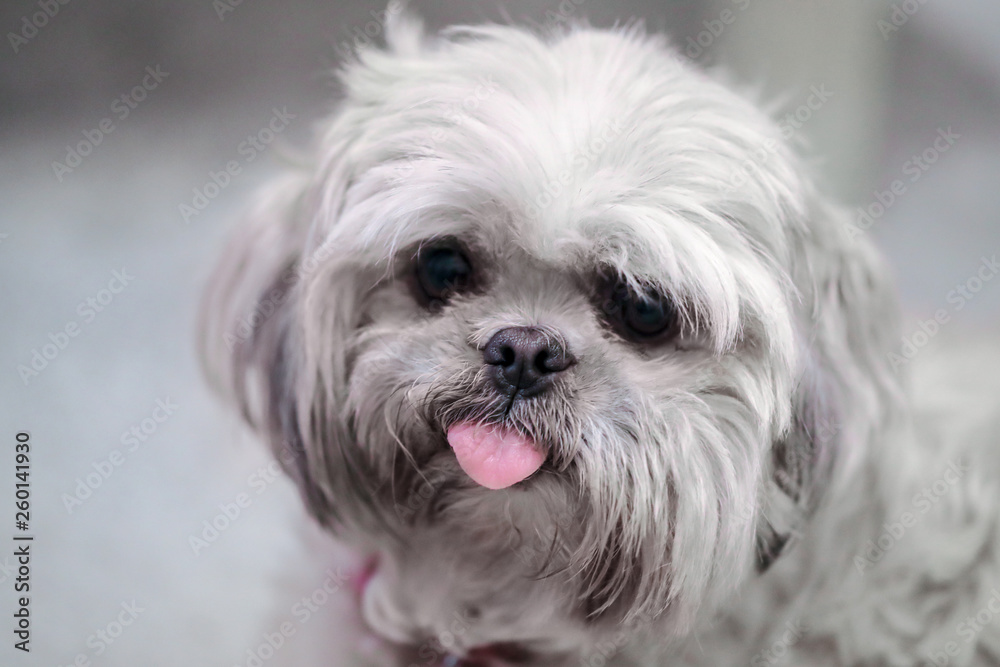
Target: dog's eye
645, 317
648, 317
442, 271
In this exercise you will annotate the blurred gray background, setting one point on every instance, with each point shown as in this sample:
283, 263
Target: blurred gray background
64, 232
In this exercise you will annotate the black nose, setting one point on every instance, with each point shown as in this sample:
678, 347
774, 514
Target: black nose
524, 359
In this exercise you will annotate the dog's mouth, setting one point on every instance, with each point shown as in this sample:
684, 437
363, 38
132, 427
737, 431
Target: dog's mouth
493, 456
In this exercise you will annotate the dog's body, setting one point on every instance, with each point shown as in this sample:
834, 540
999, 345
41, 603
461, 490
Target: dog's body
560, 330
900, 565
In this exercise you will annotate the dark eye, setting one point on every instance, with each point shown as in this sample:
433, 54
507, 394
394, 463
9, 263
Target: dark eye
647, 317
442, 271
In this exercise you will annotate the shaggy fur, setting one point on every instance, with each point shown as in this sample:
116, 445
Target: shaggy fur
710, 501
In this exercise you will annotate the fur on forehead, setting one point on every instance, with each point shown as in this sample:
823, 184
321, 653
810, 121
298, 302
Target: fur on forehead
595, 149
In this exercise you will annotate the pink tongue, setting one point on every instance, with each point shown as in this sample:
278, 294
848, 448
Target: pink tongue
493, 457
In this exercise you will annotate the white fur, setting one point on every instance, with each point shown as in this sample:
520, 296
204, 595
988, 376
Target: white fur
775, 414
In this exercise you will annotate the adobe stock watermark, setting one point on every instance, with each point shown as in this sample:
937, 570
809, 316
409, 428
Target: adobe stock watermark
824, 433
31, 24
248, 149
131, 440
602, 652
778, 650
102, 638
793, 121
268, 303
913, 169
122, 106
789, 125
697, 45
456, 114
438, 650
363, 37
230, 512
223, 7
900, 15
922, 503
582, 158
968, 630
415, 501
961, 295
58, 341
302, 611
562, 14
539, 549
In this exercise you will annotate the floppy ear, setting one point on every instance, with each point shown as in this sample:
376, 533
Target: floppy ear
247, 313
256, 331
281, 306
847, 392
253, 340
250, 285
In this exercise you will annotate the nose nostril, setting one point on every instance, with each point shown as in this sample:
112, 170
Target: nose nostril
508, 356
542, 361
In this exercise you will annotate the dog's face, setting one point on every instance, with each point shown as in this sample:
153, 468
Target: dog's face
558, 327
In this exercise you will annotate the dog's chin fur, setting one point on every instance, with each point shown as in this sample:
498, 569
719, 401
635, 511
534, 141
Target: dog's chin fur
702, 491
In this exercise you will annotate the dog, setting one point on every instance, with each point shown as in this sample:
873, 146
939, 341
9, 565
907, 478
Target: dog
559, 330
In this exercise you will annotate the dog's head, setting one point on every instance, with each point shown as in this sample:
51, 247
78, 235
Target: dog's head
557, 324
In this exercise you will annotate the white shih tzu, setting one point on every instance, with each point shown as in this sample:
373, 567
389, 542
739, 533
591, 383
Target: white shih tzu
559, 330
